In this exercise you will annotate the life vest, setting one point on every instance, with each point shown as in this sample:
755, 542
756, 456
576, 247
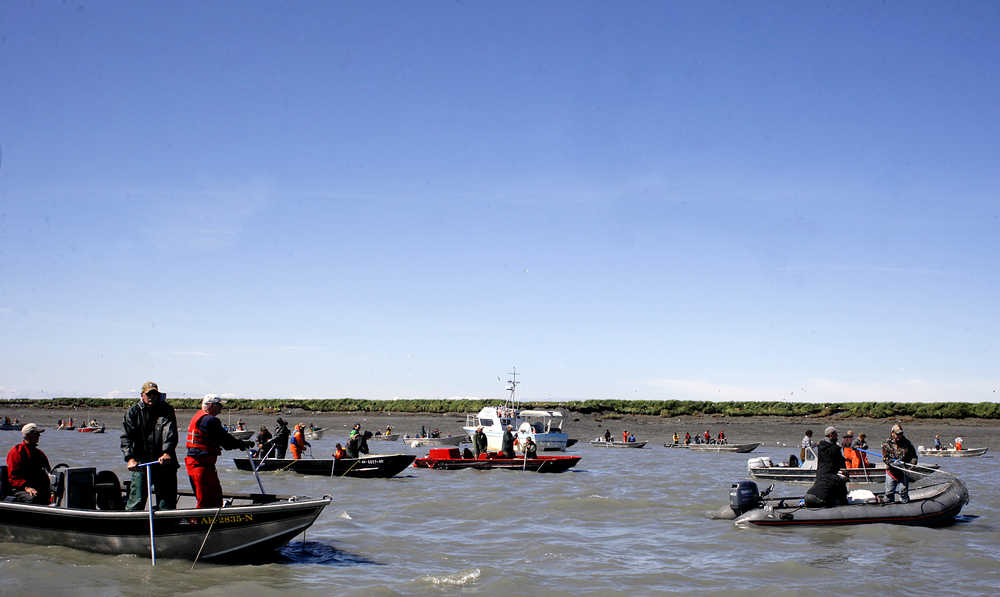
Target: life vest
196, 438
338, 454
625, 436
851, 459
958, 445
299, 438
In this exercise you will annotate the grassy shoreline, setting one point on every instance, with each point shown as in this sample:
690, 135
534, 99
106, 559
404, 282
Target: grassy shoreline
607, 408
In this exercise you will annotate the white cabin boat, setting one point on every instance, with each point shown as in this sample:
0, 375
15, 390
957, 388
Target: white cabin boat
544, 427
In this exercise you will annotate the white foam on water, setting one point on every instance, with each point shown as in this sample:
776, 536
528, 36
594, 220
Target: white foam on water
459, 578
345, 515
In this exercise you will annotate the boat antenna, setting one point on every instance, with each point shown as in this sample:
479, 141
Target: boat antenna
512, 384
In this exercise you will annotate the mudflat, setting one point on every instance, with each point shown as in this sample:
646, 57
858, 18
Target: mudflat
771, 430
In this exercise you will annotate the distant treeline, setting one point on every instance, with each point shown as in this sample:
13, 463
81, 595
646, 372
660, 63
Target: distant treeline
662, 408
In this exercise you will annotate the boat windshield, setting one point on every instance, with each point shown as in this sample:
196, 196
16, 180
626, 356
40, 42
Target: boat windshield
485, 422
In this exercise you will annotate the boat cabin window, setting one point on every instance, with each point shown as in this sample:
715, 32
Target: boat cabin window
486, 422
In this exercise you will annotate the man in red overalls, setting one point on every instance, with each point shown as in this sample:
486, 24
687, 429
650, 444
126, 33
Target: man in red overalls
206, 439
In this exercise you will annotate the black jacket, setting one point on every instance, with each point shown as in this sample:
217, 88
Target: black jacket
281, 433
829, 488
508, 444
479, 441
149, 432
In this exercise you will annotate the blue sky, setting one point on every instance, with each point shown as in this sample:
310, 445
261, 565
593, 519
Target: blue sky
654, 200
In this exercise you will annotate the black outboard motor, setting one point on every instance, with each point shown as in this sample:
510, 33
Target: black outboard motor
744, 496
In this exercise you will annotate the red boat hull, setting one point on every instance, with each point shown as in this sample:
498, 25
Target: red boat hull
451, 459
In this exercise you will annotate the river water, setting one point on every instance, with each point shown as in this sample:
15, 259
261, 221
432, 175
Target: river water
623, 522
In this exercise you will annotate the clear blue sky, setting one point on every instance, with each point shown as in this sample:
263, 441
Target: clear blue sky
655, 200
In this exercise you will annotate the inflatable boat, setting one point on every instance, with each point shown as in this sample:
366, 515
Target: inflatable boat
936, 502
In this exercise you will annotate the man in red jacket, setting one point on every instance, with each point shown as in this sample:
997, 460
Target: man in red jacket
206, 438
28, 468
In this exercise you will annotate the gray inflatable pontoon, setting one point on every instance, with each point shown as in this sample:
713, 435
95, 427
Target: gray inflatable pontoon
935, 503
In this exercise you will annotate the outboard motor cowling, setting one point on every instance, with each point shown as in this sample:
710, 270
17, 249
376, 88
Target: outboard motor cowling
744, 496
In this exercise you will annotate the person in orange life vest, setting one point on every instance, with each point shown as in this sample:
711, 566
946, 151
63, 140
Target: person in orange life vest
28, 468
298, 444
206, 439
851, 458
708, 436
958, 443
338, 453
722, 437
625, 435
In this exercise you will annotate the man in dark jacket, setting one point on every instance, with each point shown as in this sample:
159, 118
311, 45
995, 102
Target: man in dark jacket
897, 449
507, 445
830, 488
281, 435
479, 441
149, 432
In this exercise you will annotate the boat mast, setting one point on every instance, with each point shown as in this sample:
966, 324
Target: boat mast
512, 388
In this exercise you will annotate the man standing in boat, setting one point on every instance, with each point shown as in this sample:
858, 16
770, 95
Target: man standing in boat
830, 488
149, 432
895, 450
206, 438
28, 468
479, 441
281, 435
807, 442
507, 445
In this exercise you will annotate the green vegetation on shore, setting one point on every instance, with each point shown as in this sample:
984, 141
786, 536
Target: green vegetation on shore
663, 408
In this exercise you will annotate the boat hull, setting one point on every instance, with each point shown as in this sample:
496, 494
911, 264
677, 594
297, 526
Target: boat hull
950, 453
239, 532
793, 474
603, 444
451, 440
934, 505
735, 448
542, 464
365, 467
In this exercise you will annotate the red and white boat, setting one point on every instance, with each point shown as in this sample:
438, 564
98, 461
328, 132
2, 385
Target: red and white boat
449, 459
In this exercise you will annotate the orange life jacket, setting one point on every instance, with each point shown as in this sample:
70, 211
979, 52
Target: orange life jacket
958, 445
338, 454
197, 439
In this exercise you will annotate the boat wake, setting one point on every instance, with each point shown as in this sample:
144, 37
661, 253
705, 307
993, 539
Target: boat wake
459, 578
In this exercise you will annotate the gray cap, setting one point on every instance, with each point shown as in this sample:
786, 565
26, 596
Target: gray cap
829, 430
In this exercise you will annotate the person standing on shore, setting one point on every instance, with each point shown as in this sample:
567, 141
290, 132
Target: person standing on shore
206, 438
28, 468
149, 432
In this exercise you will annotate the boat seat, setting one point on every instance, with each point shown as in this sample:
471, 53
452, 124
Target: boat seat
108, 491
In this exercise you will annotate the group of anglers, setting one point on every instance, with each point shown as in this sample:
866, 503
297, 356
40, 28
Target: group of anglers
704, 438
834, 455
149, 447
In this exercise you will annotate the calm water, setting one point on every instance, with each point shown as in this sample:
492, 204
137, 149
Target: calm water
624, 522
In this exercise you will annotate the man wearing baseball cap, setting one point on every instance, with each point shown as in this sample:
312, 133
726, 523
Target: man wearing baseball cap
28, 468
149, 432
206, 438
830, 488
896, 450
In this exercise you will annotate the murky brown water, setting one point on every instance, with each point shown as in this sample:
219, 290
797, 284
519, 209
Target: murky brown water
624, 522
